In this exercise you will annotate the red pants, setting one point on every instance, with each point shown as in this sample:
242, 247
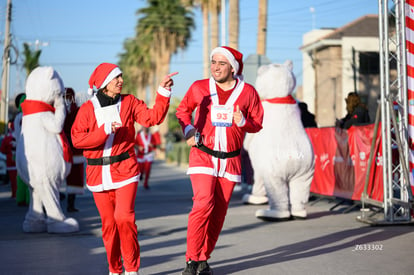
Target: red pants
146, 170
119, 231
210, 202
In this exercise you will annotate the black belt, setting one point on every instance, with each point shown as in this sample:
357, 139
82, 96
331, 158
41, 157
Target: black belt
218, 154
108, 160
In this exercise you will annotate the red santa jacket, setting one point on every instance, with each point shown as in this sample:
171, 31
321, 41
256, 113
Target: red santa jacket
96, 143
146, 145
199, 97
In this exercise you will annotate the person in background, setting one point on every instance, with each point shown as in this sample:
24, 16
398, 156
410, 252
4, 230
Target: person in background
104, 130
23, 192
8, 148
357, 113
308, 119
155, 131
146, 143
225, 109
75, 180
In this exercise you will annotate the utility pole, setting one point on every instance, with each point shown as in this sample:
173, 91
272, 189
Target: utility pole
4, 104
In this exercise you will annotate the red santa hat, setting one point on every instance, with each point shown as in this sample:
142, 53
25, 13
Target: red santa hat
233, 56
102, 75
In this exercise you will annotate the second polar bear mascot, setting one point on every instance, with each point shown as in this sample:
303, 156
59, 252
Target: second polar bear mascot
281, 153
43, 158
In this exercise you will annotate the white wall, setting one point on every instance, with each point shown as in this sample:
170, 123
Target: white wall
308, 76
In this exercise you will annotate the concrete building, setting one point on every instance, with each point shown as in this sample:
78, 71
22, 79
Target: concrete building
338, 61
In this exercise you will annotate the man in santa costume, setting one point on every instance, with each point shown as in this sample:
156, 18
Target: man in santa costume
147, 143
226, 108
104, 129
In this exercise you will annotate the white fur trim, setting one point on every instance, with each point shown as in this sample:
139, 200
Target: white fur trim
220, 138
114, 185
90, 91
228, 55
201, 170
114, 73
231, 177
242, 121
149, 157
164, 92
213, 172
108, 128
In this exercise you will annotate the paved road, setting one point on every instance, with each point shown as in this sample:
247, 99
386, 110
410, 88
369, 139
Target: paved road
325, 243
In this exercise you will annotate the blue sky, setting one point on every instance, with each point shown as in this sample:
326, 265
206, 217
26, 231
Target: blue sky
75, 36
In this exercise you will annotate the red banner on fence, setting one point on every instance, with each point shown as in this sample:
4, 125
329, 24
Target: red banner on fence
341, 162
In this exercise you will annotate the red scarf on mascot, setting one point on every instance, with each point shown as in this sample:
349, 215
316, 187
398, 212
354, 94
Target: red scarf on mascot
34, 106
282, 100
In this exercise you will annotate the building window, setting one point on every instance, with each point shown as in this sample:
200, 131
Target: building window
369, 63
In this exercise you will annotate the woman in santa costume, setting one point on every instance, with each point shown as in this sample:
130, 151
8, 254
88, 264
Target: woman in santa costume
226, 108
146, 143
104, 130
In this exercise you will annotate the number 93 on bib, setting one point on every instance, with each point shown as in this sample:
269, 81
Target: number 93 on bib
221, 115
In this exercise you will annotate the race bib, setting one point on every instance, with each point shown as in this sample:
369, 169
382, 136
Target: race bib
221, 115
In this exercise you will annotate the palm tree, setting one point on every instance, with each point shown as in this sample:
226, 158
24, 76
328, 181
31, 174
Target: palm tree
262, 27
167, 25
137, 65
163, 27
214, 8
31, 58
206, 48
234, 24
210, 12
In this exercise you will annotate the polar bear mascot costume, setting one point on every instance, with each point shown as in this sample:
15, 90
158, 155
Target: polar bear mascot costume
43, 157
281, 153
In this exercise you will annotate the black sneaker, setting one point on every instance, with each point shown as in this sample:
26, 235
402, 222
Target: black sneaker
190, 268
203, 268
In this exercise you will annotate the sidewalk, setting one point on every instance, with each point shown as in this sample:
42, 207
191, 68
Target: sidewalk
325, 243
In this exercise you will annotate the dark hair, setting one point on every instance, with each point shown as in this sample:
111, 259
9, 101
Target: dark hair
69, 92
18, 99
352, 101
303, 105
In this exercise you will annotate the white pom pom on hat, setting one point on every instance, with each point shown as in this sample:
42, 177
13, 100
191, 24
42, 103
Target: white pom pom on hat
233, 56
102, 75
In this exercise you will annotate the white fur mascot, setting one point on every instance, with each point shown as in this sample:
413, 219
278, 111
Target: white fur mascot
42, 156
281, 153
